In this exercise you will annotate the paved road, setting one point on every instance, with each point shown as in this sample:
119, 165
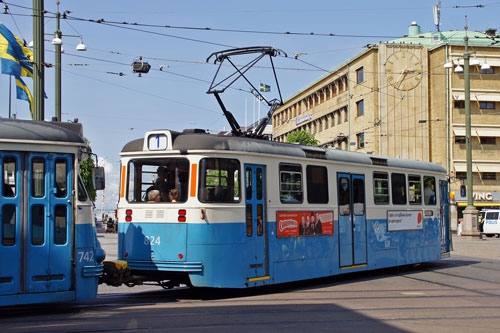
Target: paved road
452, 295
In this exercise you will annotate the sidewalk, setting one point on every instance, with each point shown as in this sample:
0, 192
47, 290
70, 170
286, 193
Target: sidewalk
488, 248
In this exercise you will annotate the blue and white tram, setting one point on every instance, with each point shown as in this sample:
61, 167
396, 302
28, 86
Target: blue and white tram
220, 211
48, 244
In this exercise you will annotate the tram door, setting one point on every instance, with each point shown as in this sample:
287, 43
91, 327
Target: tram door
255, 220
10, 217
36, 236
352, 219
444, 220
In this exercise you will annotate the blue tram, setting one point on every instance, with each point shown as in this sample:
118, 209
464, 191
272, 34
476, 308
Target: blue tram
48, 244
222, 211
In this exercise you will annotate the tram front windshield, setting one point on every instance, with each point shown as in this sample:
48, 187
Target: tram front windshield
158, 180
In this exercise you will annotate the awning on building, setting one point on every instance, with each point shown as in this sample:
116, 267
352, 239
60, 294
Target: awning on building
475, 131
490, 62
478, 97
477, 167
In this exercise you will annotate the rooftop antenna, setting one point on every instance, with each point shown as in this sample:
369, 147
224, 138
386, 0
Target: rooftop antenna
219, 87
437, 14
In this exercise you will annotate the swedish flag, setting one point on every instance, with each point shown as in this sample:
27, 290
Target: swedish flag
265, 87
15, 59
22, 92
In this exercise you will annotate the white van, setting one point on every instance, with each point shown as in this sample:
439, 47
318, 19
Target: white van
491, 224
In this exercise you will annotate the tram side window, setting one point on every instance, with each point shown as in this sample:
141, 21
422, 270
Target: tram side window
9, 177
429, 190
381, 188
219, 180
157, 180
414, 190
291, 183
317, 184
8, 225
38, 178
60, 224
82, 192
61, 178
37, 225
398, 187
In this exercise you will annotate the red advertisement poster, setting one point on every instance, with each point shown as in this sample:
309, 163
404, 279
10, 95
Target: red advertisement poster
304, 223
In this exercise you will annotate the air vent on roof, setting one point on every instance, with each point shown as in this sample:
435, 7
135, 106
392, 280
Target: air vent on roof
320, 155
194, 130
379, 161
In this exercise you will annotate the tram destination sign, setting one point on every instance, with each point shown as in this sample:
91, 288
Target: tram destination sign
399, 220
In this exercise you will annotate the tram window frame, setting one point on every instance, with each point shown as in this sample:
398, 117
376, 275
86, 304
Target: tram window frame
430, 196
9, 225
379, 178
226, 180
317, 184
82, 191
9, 189
142, 179
37, 182
416, 181
358, 197
60, 224
291, 189
37, 225
61, 180
398, 188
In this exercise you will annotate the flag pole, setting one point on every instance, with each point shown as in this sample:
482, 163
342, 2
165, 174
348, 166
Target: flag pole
10, 95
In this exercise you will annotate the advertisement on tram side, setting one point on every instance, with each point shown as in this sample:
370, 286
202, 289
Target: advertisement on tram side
398, 220
304, 223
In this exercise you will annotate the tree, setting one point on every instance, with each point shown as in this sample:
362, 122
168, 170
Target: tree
302, 137
86, 168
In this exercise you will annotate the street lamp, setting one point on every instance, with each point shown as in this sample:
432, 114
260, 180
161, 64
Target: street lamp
57, 42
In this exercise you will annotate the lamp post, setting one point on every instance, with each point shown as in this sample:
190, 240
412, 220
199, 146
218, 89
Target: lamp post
38, 55
57, 43
469, 229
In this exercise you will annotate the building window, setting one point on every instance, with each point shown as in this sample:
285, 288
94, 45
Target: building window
359, 75
459, 104
488, 140
338, 116
487, 105
460, 139
344, 111
360, 138
360, 106
489, 176
487, 71
332, 123
461, 175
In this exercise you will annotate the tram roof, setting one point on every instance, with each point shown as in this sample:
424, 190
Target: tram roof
201, 141
33, 130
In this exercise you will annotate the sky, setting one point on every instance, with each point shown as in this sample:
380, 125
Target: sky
116, 106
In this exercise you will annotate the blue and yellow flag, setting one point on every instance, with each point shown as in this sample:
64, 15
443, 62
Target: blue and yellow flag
22, 92
265, 87
15, 59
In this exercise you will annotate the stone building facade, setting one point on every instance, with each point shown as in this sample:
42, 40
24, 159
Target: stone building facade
397, 98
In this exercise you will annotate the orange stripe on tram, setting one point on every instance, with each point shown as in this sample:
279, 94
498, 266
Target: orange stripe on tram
122, 189
194, 173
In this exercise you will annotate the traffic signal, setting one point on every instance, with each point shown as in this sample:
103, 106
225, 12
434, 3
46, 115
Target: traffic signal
463, 191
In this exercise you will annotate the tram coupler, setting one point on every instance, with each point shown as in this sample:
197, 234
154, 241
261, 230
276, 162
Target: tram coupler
116, 273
